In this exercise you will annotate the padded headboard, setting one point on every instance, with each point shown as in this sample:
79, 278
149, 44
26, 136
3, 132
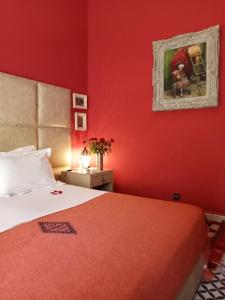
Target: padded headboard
35, 113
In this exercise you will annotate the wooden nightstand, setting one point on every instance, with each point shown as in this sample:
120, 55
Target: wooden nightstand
99, 180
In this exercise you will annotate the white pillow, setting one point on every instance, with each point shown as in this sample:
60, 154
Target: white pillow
25, 172
23, 149
18, 151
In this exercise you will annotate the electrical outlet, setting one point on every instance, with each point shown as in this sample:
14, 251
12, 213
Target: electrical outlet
176, 196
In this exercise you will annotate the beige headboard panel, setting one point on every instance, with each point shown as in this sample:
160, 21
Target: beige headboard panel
35, 113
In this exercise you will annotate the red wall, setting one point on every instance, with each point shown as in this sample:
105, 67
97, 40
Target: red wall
155, 153
45, 41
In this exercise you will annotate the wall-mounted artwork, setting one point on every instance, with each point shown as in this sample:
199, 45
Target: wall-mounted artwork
80, 121
185, 73
79, 101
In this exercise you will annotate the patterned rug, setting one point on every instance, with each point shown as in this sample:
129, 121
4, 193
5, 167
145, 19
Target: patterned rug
215, 288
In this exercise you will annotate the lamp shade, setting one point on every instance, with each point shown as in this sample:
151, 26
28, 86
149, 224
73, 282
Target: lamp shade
84, 160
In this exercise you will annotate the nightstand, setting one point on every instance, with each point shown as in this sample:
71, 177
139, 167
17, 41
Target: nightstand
99, 180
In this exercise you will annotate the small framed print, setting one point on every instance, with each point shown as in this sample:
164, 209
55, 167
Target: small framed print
79, 101
80, 121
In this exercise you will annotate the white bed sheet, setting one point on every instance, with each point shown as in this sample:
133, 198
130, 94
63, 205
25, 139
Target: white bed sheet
27, 207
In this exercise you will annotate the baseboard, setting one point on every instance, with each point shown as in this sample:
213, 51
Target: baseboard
214, 217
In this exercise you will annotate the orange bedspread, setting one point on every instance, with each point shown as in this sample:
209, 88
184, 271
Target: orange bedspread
126, 247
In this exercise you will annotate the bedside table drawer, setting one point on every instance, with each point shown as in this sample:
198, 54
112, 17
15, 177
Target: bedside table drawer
101, 179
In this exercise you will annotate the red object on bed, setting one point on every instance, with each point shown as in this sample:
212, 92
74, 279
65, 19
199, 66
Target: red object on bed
125, 247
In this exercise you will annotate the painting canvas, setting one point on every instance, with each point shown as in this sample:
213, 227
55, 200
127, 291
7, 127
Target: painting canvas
185, 71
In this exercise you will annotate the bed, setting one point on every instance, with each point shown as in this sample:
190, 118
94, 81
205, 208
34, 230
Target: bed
67, 242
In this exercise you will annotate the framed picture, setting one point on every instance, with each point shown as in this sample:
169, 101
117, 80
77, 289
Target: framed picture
79, 101
185, 72
80, 121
